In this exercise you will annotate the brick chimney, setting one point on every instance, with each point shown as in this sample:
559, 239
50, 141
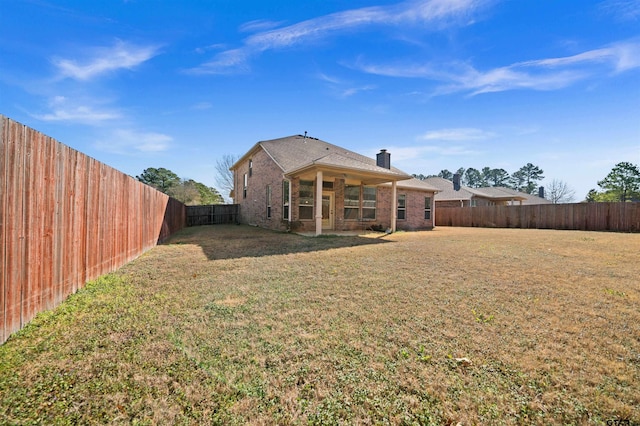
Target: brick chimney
383, 159
456, 182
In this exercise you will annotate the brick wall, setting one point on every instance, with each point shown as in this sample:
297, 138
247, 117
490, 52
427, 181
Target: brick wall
466, 203
414, 209
253, 207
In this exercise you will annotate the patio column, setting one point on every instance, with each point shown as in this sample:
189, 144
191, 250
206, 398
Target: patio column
319, 202
394, 205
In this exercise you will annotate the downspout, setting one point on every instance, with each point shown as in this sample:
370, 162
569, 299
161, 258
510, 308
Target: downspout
433, 210
319, 202
394, 205
290, 205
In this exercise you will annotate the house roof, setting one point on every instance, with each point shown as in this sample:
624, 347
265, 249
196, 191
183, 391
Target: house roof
498, 193
503, 193
299, 154
446, 191
414, 183
494, 193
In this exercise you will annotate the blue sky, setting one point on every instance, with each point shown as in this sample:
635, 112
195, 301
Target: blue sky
439, 83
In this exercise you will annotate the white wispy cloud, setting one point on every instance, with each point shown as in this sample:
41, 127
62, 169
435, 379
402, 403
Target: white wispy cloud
343, 89
64, 109
259, 25
103, 60
623, 10
202, 106
414, 153
450, 142
205, 49
434, 12
355, 90
457, 134
329, 78
130, 142
541, 74
622, 56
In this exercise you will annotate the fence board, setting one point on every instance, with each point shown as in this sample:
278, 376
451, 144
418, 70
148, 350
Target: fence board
213, 214
618, 217
13, 229
3, 242
66, 219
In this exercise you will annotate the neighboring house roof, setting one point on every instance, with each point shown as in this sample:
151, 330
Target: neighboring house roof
446, 191
494, 193
509, 194
298, 154
498, 193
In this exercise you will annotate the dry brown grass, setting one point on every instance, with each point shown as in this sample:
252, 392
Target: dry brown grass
235, 325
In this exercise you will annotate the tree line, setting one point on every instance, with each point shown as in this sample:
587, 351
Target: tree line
621, 184
524, 179
187, 191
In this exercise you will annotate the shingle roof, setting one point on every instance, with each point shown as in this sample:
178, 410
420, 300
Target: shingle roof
446, 191
293, 153
496, 192
509, 193
414, 183
491, 192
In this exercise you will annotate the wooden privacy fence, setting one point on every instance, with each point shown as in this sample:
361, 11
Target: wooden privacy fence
66, 219
213, 214
619, 217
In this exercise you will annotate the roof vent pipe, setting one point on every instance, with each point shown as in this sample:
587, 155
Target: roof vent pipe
383, 159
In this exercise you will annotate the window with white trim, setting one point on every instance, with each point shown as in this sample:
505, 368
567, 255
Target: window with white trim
305, 200
402, 207
351, 202
285, 199
268, 197
369, 202
244, 187
427, 208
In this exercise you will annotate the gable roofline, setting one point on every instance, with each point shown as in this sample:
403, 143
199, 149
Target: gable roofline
251, 153
316, 154
499, 193
340, 164
414, 183
446, 191
493, 193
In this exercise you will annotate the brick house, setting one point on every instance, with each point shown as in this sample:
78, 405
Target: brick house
304, 184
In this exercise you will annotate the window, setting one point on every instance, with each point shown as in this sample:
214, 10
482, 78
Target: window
369, 202
402, 207
305, 208
351, 202
327, 185
285, 199
427, 208
244, 188
268, 201
250, 168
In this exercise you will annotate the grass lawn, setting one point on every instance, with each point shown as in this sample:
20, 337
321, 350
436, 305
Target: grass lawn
235, 325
